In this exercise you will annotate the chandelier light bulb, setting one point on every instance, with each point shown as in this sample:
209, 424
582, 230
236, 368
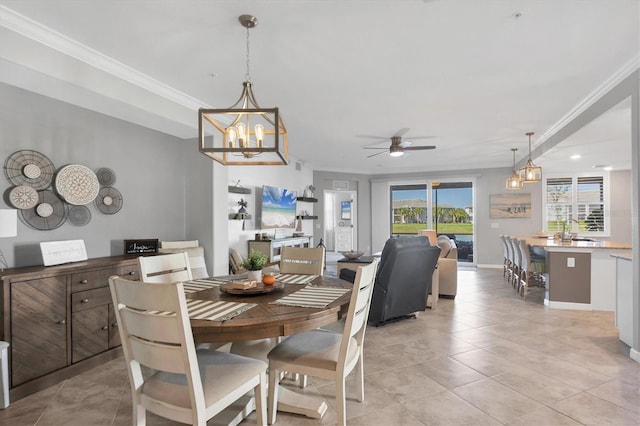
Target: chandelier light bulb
242, 137
231, 136
259, 130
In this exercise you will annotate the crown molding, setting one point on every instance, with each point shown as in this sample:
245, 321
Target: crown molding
616, 78
44, 35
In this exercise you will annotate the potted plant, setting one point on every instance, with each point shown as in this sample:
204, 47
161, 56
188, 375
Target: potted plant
254, 264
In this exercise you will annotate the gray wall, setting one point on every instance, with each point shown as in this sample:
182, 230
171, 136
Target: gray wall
148, 166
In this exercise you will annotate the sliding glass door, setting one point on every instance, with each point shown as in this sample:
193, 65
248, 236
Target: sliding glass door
446, 207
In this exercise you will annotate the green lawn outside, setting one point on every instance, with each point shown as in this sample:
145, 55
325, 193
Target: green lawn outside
443, 228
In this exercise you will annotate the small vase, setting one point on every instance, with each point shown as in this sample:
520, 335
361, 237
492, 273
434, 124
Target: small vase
254, 276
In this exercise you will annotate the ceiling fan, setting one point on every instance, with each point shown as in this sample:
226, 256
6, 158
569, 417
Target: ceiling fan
398, 146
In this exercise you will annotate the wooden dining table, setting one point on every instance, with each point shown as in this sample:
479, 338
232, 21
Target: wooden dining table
268, 320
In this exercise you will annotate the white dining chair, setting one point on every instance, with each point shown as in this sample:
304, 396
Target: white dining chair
328, 354
183, 385
165, 268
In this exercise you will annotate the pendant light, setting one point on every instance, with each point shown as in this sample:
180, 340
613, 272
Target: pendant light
514, 181
530, 173
244, 133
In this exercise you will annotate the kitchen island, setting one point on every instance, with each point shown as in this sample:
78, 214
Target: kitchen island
581, 273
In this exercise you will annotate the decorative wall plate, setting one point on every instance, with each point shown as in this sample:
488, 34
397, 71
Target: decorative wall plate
77, 184
79, 215
31, 168
49, 213
106, 176
23, 197
109, 200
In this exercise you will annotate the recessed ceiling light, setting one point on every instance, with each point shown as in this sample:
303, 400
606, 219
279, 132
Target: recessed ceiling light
576, 156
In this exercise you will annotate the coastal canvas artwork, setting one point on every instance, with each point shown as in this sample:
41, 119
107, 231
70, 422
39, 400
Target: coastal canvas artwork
278, 208
510, 206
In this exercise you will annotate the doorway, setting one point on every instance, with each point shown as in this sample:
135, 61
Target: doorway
340, 231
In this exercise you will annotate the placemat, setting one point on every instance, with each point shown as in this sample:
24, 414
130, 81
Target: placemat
213, 311
295, 278
202, 284
312, 297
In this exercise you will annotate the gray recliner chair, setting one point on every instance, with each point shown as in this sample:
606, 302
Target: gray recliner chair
403, 279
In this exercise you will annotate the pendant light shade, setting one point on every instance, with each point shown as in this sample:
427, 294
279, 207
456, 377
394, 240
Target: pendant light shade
244, 133
514, 181
530, 173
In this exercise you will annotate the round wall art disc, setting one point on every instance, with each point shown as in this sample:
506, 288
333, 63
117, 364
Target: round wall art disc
49, 213
79, 215
29, 168
109, 200
106, 176
23, 197
77, 184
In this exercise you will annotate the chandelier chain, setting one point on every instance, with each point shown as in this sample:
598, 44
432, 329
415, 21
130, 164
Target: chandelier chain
247, 76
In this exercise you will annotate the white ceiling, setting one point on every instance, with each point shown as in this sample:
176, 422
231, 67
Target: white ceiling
475, 75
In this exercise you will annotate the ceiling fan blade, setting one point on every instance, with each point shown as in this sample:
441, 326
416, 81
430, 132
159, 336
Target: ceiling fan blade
402, 132
373, 147
419, 137
419, 148
377, 153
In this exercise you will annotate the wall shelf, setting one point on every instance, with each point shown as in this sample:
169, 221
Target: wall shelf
239, 190
307, 199
233, 216
306, 217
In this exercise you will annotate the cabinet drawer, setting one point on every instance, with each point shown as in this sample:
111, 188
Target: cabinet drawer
89, 299
91, 279
129, 272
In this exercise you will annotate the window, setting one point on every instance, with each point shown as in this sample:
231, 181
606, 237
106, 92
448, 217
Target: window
578, 204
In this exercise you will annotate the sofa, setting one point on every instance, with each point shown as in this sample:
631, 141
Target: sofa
447, 267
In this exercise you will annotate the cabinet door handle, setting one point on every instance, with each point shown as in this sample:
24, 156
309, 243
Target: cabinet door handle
84, 301
132, 273
105, 327
84, 281
115, 324
62, 322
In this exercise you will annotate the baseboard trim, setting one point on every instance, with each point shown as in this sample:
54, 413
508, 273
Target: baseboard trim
568, 305
634, 355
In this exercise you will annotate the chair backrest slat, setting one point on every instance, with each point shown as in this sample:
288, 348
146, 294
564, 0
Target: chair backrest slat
302, 260
165, 268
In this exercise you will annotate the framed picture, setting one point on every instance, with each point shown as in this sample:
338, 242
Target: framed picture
140, 246
345, 210
510, 206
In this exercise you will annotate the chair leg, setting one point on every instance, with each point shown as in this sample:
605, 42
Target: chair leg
139, 414
272, 405
360, 377
260, 395
341, 401
302, 380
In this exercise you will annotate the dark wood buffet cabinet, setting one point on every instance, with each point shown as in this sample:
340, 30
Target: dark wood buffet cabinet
59, 320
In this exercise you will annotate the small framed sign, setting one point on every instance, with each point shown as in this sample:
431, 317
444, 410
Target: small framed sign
59, 252
140, 246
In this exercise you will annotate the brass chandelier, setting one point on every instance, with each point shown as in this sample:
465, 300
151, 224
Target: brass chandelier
514, 181
530, 173
244, 133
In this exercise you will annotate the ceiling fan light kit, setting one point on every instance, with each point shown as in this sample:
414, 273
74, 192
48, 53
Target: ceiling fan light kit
244, 133
530, 173
398, 146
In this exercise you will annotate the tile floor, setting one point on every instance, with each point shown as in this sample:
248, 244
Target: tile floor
486, 357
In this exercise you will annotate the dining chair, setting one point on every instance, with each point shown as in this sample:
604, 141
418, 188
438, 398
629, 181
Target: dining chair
193, 250
165, 268
181, 384
327, 354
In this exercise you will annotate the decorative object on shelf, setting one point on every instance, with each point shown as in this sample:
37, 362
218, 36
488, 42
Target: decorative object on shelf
352, 255
79, 215
49, 213
140, 246
243, 206
254, 264
59, 252
8, 228
106, 176
530, 173
23, 197
226, 135
308, 191
31, 168
514, 181
109, 200
77, 184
